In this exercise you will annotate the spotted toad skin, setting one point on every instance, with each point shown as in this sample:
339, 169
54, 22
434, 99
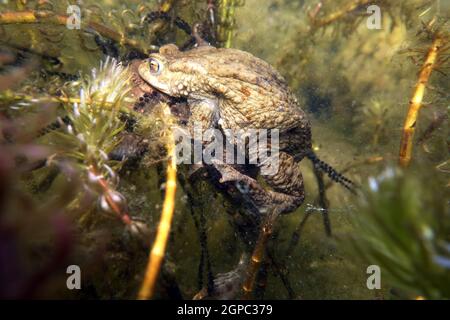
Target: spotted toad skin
232, 89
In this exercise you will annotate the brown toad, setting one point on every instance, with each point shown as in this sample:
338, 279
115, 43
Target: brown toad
232, 89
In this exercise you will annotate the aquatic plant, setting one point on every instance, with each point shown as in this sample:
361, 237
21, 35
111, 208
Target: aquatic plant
373, 119
433, 60
227, 23
92, 131
159, 246
402, 225
345, 16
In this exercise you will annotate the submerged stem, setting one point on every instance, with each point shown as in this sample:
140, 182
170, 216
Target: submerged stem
36, 17
159, 246
415, 103
329, 19
258, 253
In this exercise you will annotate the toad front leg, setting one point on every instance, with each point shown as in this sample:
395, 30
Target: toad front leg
204, 115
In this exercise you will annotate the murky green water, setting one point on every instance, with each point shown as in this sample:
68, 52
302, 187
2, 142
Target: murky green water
353, 78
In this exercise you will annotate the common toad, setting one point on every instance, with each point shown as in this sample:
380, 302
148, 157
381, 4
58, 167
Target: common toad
232, 89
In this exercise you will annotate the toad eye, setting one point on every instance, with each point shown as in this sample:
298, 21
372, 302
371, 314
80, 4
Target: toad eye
154, 66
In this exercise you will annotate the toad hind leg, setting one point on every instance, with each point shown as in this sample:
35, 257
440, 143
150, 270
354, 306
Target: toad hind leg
287, 184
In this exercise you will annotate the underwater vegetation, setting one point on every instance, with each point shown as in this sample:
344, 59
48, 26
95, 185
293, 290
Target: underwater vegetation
88, 173
406, 232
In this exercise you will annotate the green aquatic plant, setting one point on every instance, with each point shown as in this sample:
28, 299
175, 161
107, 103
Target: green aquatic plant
373, 120
227, 23
344, 16
403, 226
22, 211
54, 23
94, 111
92, 132
72, 154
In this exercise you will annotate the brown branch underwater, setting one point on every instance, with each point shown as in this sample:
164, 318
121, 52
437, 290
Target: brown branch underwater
415, 103
258, 253
332, 17
41, 17
159, 246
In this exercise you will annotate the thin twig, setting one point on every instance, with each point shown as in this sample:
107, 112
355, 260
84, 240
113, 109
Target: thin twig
415, 104
258, 253
280, 269
49, 99
159, 246
297, 233
323, 201
329, 19
36, 17
434, 125
108, 196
